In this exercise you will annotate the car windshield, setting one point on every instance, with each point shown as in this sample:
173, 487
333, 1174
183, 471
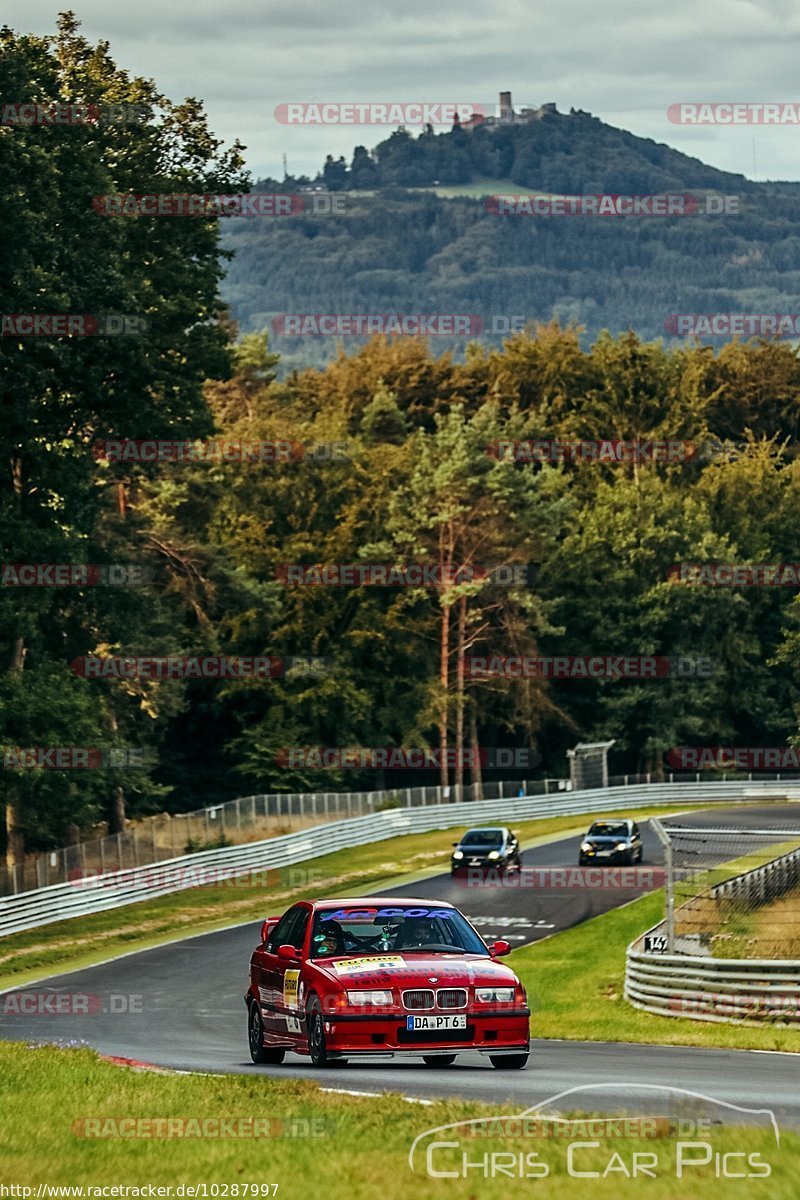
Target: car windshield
483, 837
387, 929
609, 829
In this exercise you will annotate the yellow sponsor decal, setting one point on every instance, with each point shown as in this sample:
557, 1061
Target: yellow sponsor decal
291, 983
351, 966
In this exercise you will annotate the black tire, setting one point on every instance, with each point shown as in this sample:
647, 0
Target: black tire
438, 1060
508, 1062
316, 1034
255, 1036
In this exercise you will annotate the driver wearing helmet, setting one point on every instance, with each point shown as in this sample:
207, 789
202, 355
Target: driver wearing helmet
328, 940
417, 933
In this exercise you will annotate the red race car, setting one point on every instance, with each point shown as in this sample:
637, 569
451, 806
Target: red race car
339, 978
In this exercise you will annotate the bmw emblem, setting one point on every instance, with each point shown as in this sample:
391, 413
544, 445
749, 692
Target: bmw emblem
433, 979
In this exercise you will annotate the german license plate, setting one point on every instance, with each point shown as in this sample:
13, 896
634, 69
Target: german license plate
457, 1021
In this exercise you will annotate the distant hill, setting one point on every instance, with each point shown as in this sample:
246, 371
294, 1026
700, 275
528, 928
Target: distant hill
415, 237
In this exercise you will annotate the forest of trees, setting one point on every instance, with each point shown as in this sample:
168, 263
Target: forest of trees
416, 253
416, 484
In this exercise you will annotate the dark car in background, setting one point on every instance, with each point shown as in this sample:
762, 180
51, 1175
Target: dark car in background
493, 847
614, 840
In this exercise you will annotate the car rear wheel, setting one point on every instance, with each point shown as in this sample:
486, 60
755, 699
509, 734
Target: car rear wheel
316, 1034
508, 1062
438, 1060
255, 1035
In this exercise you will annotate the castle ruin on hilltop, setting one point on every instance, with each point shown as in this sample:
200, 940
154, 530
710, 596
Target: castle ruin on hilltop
507, 115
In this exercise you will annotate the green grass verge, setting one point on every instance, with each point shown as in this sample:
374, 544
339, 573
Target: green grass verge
575, 983
82, 941
359, 1151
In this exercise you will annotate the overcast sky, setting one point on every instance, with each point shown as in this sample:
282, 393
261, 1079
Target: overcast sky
625, 61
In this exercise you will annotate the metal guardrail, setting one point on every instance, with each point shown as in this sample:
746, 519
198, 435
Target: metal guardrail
762, 883
116, 889
163, 837
704, 988
712, 989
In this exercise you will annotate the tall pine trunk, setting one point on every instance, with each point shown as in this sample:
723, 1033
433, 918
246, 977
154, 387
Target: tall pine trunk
462, 626
444, 680
477, 774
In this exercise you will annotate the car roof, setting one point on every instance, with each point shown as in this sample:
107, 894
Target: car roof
485, 829
374, 901
612, 821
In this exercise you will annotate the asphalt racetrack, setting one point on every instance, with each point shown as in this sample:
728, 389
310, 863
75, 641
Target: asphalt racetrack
180, 1006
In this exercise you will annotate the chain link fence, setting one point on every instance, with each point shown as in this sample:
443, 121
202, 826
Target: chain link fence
732, 891
249, 819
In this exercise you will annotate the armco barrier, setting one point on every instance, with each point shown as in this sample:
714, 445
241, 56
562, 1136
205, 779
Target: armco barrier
704, 988
28, 910
712, 989
764, 883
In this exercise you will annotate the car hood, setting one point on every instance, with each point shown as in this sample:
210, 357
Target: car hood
480, 849
409, 969
595, 840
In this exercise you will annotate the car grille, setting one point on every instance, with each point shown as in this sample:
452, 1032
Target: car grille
418, 1000
451, 998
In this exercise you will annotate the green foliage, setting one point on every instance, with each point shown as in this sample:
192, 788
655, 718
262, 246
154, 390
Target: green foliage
416, 483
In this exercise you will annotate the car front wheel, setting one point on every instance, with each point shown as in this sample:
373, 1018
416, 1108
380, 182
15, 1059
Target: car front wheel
255, 1036
316, 1035
508, 1062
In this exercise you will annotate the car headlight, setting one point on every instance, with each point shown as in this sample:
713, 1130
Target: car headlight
622, 846
493, 854
458, 854
587, 846
376, 997
490, 995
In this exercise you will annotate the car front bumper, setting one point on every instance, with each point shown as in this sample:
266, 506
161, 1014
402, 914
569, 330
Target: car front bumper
489, 1033
616, 857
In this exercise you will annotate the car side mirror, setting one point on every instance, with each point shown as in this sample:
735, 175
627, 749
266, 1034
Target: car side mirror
288, 953
455, 843
498, 949
268, 926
